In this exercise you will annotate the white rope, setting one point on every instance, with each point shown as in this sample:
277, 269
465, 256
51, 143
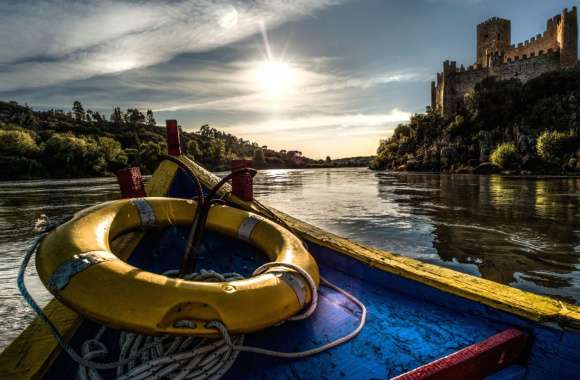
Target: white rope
146, 358
309, 281
301, 354
201, 359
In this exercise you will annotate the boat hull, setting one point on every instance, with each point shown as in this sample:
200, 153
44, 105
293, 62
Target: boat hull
418, 313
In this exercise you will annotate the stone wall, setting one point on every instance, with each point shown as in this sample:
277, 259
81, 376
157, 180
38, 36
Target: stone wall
493, 35
538, 45
526, 69
453, 83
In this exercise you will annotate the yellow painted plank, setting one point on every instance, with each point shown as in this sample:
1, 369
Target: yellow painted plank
524, 304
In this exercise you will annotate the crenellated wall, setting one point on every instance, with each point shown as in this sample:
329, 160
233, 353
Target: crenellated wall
561, 34
528, 68
555, 49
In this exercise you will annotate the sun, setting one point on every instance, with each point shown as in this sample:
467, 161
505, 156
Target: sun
275, 78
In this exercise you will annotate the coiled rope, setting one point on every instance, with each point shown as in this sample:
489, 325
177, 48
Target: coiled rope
175, 358
145, 357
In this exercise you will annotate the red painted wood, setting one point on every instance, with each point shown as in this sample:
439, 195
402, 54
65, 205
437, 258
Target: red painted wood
131, 183
242, 184
173, 138
476, 361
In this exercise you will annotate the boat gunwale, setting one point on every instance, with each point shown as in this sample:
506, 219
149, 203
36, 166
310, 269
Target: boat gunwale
531, 306
31, 353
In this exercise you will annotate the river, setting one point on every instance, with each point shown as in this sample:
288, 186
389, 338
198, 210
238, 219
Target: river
520, 232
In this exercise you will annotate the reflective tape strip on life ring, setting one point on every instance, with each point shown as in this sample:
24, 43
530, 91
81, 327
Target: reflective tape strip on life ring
76, 264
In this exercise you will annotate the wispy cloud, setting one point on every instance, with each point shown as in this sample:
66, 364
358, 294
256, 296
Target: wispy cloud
353, 122
339, 135
52, 41
318, 88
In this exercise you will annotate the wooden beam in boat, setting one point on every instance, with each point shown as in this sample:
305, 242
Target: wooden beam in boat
476, 361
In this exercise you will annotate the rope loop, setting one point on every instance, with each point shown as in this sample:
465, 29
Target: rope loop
305, 275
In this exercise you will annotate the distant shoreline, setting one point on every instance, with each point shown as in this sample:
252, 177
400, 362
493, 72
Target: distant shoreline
213, 170
514, 176
393, 172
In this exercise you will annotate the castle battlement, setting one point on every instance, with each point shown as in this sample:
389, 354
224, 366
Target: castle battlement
554, 49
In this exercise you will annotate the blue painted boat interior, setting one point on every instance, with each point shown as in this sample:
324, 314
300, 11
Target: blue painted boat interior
408, 324
401, 332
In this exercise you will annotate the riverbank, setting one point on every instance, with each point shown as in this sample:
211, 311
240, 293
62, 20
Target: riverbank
85, 144
531, 128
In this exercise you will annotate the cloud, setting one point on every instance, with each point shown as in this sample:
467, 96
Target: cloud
53, 41
318, 135
354, 123
317, 88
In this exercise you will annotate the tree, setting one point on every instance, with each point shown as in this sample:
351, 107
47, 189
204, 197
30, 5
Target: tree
98, 117
328, 160
150, 119
194, 150
117, 116
553, 146
69, 156
150, 154
17, 143
259, 158
78, 111
134, 116
506, 155
113, 153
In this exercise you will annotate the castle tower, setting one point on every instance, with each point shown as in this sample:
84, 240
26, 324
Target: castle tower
493, 36
567, 36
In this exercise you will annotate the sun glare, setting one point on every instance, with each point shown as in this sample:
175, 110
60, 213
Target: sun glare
275, 78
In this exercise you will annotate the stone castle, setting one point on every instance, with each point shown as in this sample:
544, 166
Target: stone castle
555, 49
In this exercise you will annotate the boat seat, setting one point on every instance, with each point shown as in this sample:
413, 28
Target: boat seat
493, 358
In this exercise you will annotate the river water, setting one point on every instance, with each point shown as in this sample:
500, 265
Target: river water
520, 232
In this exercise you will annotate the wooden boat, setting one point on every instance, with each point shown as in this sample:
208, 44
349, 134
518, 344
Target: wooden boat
424, 321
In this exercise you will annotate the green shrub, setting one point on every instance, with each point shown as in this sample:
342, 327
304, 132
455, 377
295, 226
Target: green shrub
17, 143
506, 155
69, 156
150, 154
456, 126
113, 152
194, 150
553, 146
14, 167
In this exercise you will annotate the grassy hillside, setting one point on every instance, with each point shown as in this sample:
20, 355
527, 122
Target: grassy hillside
82, 143
503, 126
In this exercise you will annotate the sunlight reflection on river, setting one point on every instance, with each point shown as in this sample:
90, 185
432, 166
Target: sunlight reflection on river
525, 233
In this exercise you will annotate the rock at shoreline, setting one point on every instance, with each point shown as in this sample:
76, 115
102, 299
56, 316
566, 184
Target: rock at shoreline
487, 168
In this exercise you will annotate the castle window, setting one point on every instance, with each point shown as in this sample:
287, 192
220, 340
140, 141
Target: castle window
540, 52
499, 36
486, 36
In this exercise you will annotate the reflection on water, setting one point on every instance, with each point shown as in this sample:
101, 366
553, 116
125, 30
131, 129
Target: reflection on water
520, 232
525, 233
21, 203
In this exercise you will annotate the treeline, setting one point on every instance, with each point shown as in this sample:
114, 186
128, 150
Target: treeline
84, 143
503, 125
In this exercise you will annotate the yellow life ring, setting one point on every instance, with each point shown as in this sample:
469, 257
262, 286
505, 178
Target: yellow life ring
76, 264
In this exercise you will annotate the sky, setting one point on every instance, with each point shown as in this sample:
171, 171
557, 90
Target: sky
326, 77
